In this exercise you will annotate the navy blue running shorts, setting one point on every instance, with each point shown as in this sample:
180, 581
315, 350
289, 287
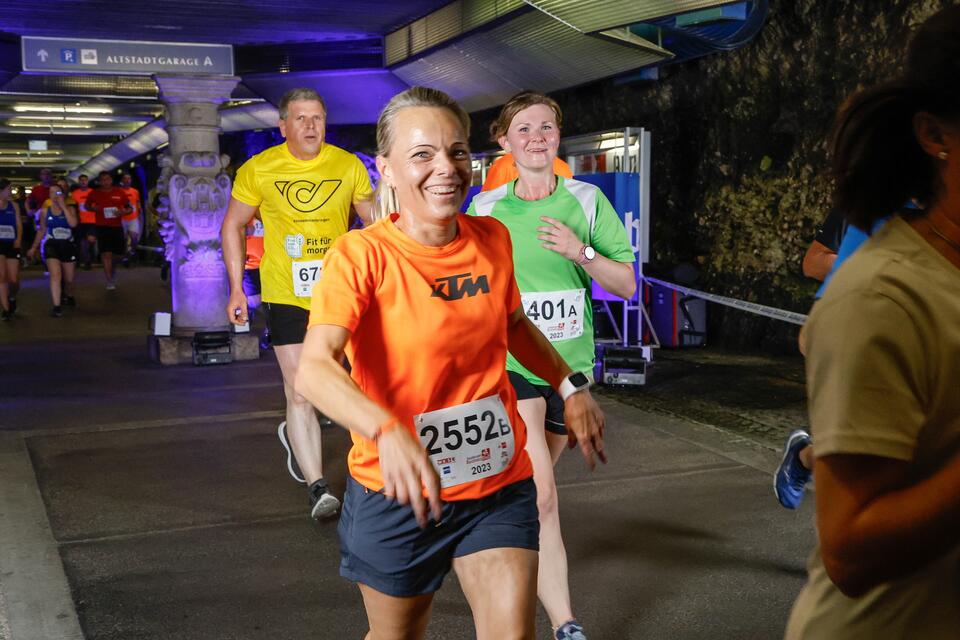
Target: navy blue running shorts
526, 390
383, 547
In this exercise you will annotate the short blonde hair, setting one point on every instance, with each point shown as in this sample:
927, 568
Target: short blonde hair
385, 199
516, 104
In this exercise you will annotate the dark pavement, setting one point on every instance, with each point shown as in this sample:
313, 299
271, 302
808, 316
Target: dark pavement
149, 502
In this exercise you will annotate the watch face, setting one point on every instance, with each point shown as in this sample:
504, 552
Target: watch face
589, 253
579, 380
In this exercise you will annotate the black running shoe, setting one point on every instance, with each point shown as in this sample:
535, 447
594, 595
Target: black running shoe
56, 312
69, 301
13, 305
6, 316
323, 504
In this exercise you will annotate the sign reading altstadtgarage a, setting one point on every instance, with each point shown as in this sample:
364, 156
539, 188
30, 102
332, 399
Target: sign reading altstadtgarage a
72, 55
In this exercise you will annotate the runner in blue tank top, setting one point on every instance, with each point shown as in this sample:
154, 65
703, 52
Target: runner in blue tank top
11, 235
57, 221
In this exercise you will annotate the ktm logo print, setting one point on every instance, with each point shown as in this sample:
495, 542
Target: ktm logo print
458, 286
306, 196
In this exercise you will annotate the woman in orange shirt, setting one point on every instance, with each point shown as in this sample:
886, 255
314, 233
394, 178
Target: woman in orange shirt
424, 305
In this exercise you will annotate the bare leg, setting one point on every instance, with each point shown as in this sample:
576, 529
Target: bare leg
107, 258
553, 588
13, 277
392, 618
500, 586
69, 269
56, 290
303, 427
4, 286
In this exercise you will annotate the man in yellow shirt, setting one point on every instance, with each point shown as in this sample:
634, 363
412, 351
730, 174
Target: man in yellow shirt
304, 189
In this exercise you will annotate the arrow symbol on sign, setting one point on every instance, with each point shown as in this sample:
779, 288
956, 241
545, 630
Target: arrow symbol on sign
43, 55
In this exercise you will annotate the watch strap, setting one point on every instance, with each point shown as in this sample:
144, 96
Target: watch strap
567, 388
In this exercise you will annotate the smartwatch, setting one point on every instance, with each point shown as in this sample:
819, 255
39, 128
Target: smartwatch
574, 383
587, 254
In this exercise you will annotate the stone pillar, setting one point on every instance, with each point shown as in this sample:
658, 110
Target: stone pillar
195, 192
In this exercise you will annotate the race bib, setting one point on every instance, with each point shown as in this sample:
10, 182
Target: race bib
558, 314
8, 232
59, 233
467, 442
110, 212
305, 275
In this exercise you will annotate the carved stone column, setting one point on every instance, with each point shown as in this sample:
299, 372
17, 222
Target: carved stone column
195, 192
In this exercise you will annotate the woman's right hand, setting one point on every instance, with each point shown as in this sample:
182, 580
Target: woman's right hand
32, 253
406, 471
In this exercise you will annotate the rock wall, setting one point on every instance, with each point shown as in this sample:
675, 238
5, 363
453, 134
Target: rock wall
739, 148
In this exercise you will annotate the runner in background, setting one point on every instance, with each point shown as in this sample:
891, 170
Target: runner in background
132, 222
86, 231
251, 274
57, 220
304, 189
109, 203
565, 234
11, 238
504, 170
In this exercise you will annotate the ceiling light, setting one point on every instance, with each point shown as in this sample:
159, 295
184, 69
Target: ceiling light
58, 125
57, 108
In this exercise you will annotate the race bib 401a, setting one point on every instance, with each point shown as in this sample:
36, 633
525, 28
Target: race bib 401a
558, 314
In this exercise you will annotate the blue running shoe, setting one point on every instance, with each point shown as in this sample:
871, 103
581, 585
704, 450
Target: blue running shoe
570, 631
790, 481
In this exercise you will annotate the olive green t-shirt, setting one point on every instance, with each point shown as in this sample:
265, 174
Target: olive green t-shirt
883, 375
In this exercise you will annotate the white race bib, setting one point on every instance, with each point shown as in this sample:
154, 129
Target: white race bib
558, 314
8, 232
59, 233
110, 212
305, 275
467, 442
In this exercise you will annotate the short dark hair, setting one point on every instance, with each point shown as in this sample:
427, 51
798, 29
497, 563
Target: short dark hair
877, 160
299, 93
4, 183
83, 175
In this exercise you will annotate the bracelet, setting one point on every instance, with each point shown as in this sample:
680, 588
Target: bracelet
384, 428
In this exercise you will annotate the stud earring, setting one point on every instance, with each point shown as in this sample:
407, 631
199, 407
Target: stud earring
942, 155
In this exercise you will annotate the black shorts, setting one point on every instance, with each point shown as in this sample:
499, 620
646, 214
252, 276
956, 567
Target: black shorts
287, 322
110, 239
84, 230
62, 250
526, 390
251, 282
382, 546
7, 251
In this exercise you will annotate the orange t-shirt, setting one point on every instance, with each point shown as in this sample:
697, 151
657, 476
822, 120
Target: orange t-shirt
254, 244
133, 196
503, 170
80, 197
429, 332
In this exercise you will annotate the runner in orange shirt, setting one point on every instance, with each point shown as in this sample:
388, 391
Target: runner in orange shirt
251, 274
86, 231
132, 226
433, 415
504, 170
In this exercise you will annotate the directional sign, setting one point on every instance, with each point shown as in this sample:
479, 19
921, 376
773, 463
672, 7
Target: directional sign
127, 57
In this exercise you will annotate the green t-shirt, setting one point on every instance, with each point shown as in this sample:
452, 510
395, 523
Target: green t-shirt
556, 291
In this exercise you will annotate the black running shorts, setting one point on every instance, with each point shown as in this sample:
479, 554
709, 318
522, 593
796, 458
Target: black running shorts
287, 322
526, 390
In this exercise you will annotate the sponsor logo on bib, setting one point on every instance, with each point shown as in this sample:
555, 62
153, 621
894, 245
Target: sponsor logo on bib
294, 245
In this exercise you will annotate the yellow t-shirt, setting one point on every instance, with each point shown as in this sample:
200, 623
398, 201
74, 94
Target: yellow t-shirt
304, 206
882, 372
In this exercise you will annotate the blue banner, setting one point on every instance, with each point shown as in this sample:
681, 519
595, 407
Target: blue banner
124, 57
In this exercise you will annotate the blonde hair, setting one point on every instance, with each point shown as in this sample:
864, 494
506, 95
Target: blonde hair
385, 198
516, 104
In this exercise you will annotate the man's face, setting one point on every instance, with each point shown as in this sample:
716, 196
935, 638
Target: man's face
304, 128
45, 176
83, 182
126, 181
105, 180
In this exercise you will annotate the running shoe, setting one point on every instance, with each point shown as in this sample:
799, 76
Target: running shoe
322, 503
570, 631
56, 312
13, 305
6, 315
111, 286
69, 301
292, 465
790, 481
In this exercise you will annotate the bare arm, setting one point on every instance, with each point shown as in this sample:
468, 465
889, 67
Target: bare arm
233, 238
70, 212
875, 526
818, 260
584, 419
404, 463
365, 209
616, 277
38, 239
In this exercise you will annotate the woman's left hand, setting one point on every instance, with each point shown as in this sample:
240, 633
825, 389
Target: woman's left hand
558, 237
